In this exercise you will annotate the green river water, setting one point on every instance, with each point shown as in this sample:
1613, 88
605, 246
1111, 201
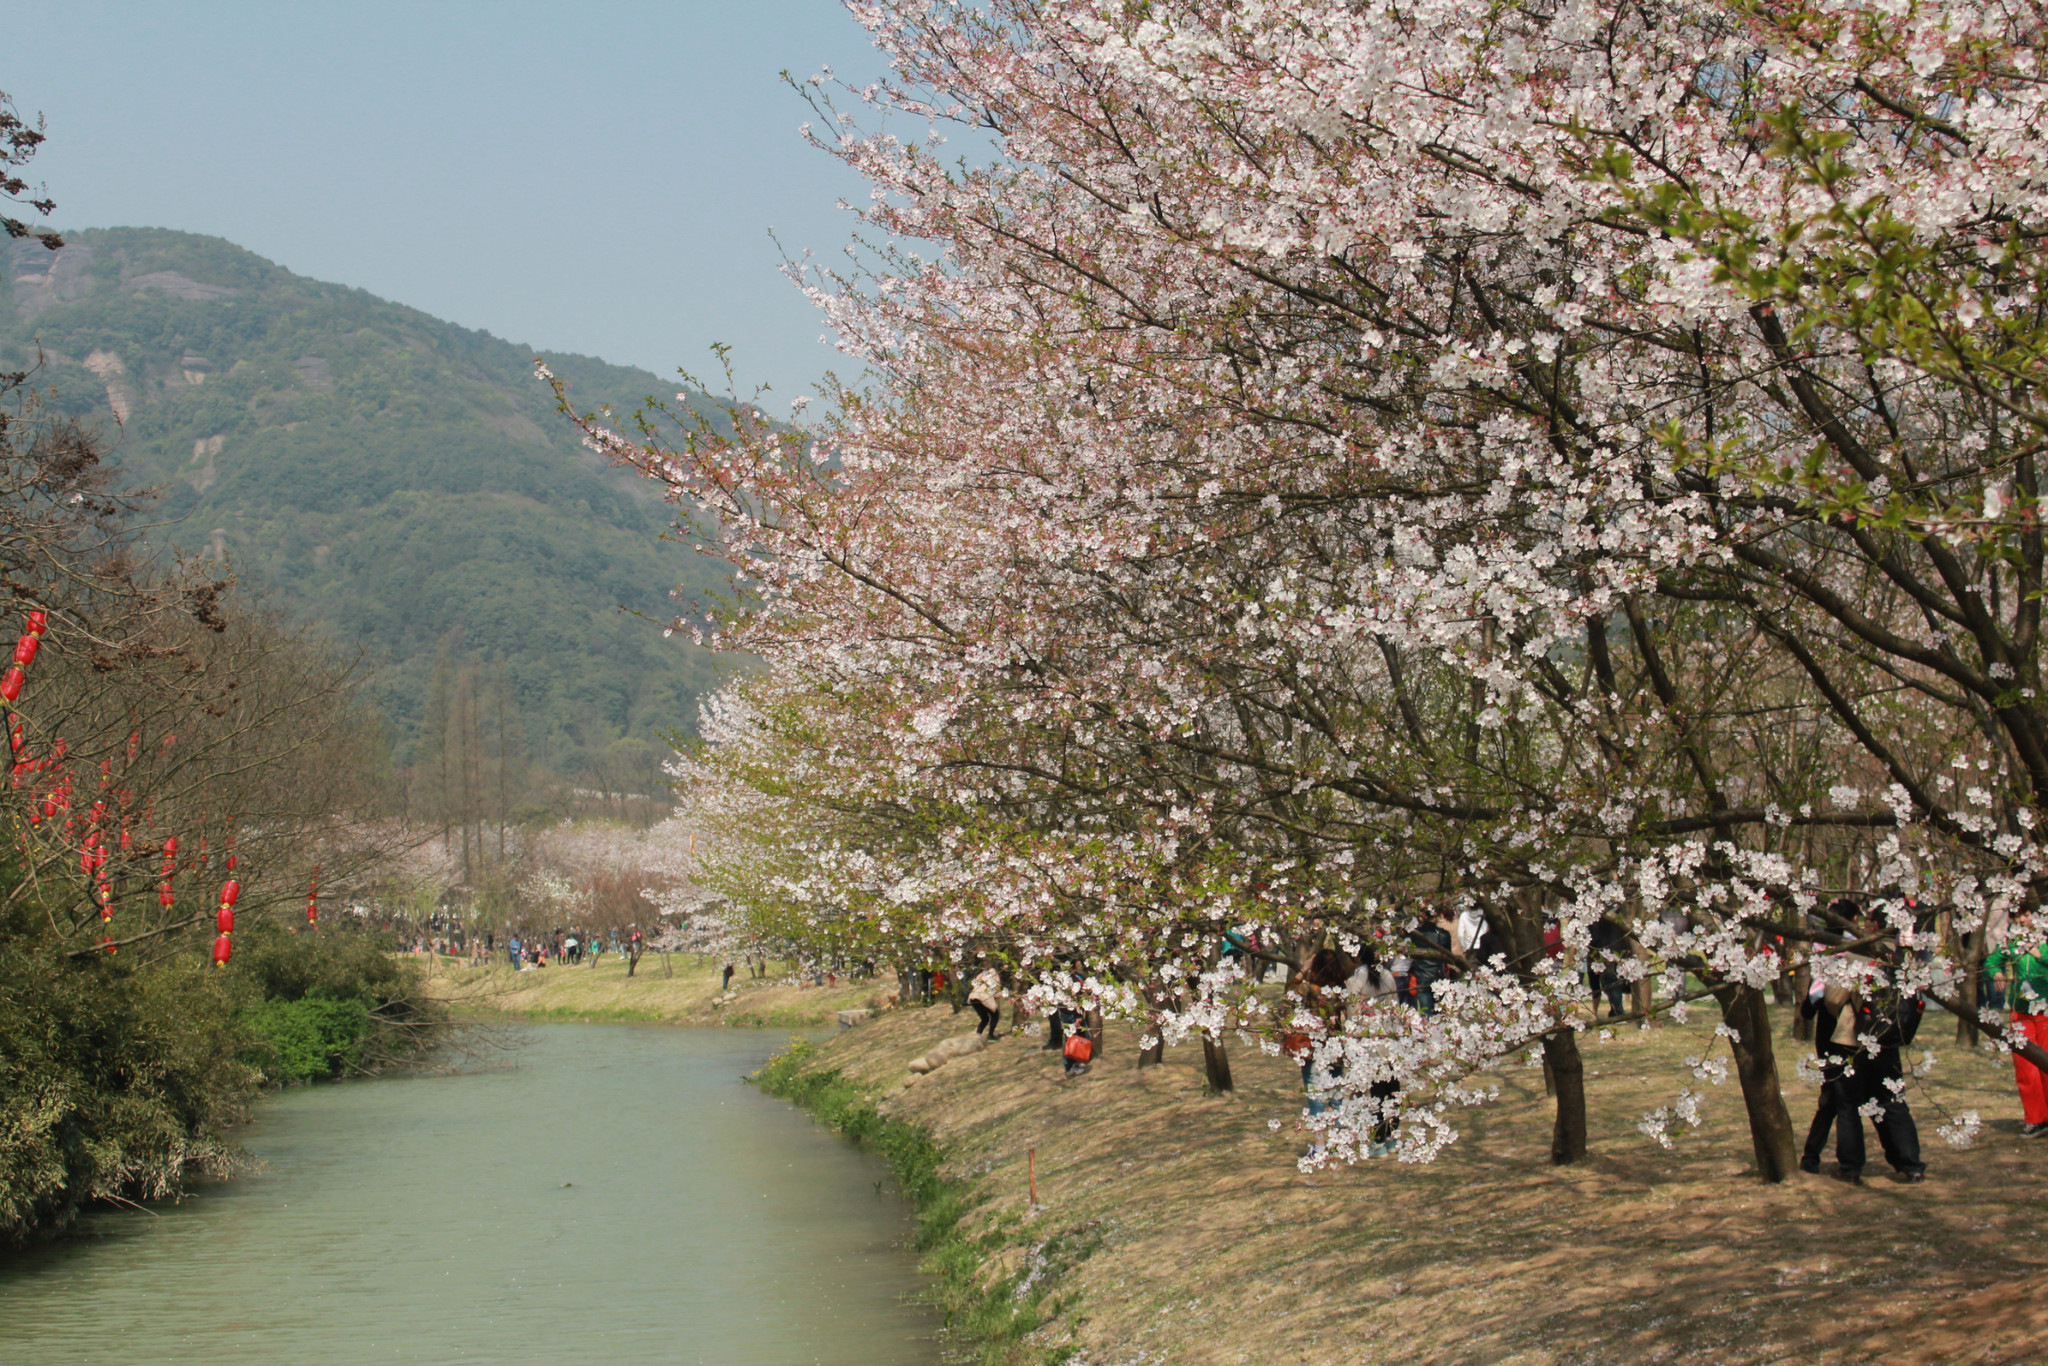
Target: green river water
613, 1196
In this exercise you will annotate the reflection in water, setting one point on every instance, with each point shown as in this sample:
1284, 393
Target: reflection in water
616, 1197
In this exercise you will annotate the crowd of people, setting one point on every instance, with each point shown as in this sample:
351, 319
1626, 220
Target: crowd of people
1859, 1025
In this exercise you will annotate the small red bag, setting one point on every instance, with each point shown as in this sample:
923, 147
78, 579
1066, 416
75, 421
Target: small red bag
1078, 1049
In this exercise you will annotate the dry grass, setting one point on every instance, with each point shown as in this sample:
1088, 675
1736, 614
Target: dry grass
1213, 1248
605, 994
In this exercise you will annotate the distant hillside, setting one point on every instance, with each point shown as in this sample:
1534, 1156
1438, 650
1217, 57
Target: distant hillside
363, 465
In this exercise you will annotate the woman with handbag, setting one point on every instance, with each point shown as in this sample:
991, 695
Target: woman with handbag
1078, 1046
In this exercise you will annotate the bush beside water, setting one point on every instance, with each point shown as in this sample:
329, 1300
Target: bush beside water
320, 1006
119, 1076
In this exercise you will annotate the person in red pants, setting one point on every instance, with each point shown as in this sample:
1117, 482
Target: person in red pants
2022, 962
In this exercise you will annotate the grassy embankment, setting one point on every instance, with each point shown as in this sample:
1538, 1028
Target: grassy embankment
1173, 1227
604, 994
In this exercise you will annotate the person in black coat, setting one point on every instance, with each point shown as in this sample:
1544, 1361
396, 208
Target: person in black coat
1431, 935
1832, 1055
1608, 942
1869, 1026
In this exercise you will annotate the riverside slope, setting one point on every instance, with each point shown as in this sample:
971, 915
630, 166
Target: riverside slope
1205, 1245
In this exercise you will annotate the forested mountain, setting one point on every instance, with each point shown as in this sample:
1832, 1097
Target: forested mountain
403, 481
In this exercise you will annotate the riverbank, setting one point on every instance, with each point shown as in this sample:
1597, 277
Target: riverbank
1172, 1227
689, 993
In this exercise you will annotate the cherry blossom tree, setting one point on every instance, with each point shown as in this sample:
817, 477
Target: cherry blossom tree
1569, 462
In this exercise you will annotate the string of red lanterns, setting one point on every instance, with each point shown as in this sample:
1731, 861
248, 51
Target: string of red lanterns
94, 854
224, 920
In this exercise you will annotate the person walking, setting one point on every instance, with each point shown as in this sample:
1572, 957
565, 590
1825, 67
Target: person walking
986, 996
2019, 968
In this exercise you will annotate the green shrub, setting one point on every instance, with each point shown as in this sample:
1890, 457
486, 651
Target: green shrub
115, 1079
328, 1004
310, 1039
275, 964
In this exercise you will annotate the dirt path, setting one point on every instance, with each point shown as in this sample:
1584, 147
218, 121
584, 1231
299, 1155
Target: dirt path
692, 994
1206, 1245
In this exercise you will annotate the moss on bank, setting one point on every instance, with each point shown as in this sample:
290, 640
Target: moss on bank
990, 1308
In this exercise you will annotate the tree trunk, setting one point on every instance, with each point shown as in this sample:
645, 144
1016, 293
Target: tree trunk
1216, 1065
1519, 922
1744, 1010
1568, 1078
1802, 982
1153, 1054
1966, 989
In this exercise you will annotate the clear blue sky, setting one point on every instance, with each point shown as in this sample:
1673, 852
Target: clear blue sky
592, 177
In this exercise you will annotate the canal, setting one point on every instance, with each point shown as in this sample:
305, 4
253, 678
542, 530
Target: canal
611, 1195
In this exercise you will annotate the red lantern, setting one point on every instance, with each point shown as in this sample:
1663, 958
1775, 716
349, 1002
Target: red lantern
109, 945
25, 650
312, 911
221, 949
10, 683
224, 921
229, 890
38, 622
165, 899
170, 846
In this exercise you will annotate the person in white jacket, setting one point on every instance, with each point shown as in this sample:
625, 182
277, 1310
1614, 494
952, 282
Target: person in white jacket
986, 996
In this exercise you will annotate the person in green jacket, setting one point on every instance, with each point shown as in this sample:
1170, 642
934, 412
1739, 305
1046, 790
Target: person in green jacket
2020, 964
